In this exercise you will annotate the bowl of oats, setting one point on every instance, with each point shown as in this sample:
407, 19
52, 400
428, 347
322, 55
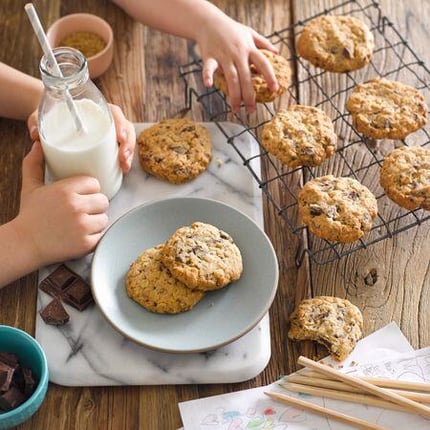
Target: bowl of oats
88, 33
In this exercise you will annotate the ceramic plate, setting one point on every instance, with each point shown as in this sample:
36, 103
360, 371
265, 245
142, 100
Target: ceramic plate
221, 316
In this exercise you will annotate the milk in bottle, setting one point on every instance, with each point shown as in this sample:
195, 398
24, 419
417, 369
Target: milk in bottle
69, 152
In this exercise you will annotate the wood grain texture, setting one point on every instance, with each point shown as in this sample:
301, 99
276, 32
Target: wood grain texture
389, 281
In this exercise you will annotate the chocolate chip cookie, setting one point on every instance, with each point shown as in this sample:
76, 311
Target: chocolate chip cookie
300, 136
336, 43
176, 150
405, 177
203, 257
384, 109
337, 208
149, 283
263, 94
331, 321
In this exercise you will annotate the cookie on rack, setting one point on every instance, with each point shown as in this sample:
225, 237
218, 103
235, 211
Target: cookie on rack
263, 94
405, 177
336, 43
338, 209
203, 257
300, 136
151, 285
331, 321
175, 150
385, 109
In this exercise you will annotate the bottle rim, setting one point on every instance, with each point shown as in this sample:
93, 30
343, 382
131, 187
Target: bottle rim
72, 63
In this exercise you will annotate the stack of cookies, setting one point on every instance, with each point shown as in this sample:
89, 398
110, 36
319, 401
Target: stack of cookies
173, 277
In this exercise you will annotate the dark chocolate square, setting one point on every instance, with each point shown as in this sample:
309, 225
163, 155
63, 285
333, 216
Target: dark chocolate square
57, 282
78, 294
54, 313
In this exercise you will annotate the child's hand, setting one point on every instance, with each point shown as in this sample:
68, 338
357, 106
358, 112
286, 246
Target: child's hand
125, 135
231, 46
62, 220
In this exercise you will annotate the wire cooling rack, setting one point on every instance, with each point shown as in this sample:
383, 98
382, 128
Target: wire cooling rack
355, 156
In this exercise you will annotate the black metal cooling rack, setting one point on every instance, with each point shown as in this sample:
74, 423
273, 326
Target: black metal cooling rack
355, 156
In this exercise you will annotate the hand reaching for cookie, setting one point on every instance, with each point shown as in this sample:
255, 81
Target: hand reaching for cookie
224, 43
231, 47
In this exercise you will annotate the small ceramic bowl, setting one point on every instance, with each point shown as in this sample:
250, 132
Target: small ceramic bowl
85, 22
31, 355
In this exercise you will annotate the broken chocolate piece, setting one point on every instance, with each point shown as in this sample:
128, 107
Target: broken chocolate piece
54, 313
9, 359
29, 382
17, 383
11, 399
78, 295
57, 282
6, 374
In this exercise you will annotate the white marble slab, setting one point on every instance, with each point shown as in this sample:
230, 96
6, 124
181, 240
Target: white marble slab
88, 351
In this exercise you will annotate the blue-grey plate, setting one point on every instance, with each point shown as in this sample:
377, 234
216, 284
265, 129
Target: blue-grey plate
222, 316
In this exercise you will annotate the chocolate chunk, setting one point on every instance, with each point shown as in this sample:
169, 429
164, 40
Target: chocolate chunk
9, 359
29, 382
57, 282
6, 374
78, 295
11, 399
54, 313
17, 383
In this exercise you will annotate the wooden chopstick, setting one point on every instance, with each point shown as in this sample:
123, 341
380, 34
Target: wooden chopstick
408, 404
347, 396
340, 386
338, 416
380, 382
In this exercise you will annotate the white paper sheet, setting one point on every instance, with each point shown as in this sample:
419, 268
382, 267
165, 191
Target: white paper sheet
386, 353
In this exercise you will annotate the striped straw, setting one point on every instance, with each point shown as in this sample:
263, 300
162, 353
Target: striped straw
41, 36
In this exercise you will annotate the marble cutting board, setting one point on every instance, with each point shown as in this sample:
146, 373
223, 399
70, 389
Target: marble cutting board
89, 352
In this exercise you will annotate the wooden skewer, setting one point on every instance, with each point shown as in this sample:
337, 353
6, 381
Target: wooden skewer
338, 416
380, 382
340, 386
408, 404
365, 399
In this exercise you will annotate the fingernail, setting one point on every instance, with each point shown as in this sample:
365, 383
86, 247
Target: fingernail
127, 154
123, 132
250, 108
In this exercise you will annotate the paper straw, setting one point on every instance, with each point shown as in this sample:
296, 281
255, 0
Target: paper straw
41, 36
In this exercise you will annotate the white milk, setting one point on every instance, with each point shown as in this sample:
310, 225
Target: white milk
93, 153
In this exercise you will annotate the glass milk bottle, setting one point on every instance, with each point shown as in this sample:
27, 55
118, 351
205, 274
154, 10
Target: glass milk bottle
69, 152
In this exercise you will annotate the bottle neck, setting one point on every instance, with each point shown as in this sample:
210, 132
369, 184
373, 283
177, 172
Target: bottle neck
73, 66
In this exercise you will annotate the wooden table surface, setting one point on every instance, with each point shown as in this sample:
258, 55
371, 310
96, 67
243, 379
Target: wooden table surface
389, 281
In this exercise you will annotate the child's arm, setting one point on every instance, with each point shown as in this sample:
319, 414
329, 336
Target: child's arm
56, 222
223, 42
19, 93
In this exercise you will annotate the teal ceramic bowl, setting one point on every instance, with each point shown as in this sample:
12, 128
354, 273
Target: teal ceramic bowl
31, 355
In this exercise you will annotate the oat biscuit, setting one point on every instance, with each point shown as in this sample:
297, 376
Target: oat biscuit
384, 109
300, 136
263, 94
337, 208
203, 257
336, 43
331, 321
405, 177
149, 283
176, 150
